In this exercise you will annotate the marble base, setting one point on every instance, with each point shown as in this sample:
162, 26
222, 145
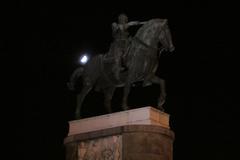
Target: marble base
137, 134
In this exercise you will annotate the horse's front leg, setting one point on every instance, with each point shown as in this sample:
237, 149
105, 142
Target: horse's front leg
125, 96
162, 96
108, 94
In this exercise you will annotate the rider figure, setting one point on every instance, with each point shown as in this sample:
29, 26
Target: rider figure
121, 41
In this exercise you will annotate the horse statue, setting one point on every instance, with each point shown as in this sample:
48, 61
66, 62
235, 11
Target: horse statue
141, 60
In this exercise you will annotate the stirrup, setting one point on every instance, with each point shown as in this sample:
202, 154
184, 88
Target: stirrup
147, 83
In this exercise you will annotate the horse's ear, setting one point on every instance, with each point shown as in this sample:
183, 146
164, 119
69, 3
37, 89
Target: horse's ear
165, 21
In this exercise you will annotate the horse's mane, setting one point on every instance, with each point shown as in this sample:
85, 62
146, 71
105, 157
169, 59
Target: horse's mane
150, 24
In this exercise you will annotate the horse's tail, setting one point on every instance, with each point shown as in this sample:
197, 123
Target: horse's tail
75, 75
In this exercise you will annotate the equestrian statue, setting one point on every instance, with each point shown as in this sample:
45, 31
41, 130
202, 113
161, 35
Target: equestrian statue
129, 60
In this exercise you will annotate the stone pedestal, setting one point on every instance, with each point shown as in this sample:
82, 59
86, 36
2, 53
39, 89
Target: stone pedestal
137, 134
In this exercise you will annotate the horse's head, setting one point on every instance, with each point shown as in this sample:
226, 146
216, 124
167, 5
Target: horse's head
165, 36
155, 31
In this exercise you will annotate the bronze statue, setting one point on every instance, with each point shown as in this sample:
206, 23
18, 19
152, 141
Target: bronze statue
141, 60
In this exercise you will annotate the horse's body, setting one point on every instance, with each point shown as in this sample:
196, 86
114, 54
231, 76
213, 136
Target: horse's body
141, 61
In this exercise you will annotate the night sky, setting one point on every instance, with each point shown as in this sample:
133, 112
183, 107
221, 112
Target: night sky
200, 74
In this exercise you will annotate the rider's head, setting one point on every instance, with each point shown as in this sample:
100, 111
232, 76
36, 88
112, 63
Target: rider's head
122, 18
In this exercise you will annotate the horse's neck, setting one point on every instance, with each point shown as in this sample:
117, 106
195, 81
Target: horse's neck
148, 34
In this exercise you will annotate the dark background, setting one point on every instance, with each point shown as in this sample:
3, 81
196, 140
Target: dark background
200, 73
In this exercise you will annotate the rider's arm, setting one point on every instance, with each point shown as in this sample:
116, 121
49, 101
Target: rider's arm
134, 23
143, 22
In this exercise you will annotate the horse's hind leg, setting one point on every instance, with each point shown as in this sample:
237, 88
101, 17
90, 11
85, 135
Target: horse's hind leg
162, 96
125, 96
108, 94
80, 99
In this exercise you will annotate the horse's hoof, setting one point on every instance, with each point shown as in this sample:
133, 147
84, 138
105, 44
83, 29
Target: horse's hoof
77, 116
125, 108
161, 108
